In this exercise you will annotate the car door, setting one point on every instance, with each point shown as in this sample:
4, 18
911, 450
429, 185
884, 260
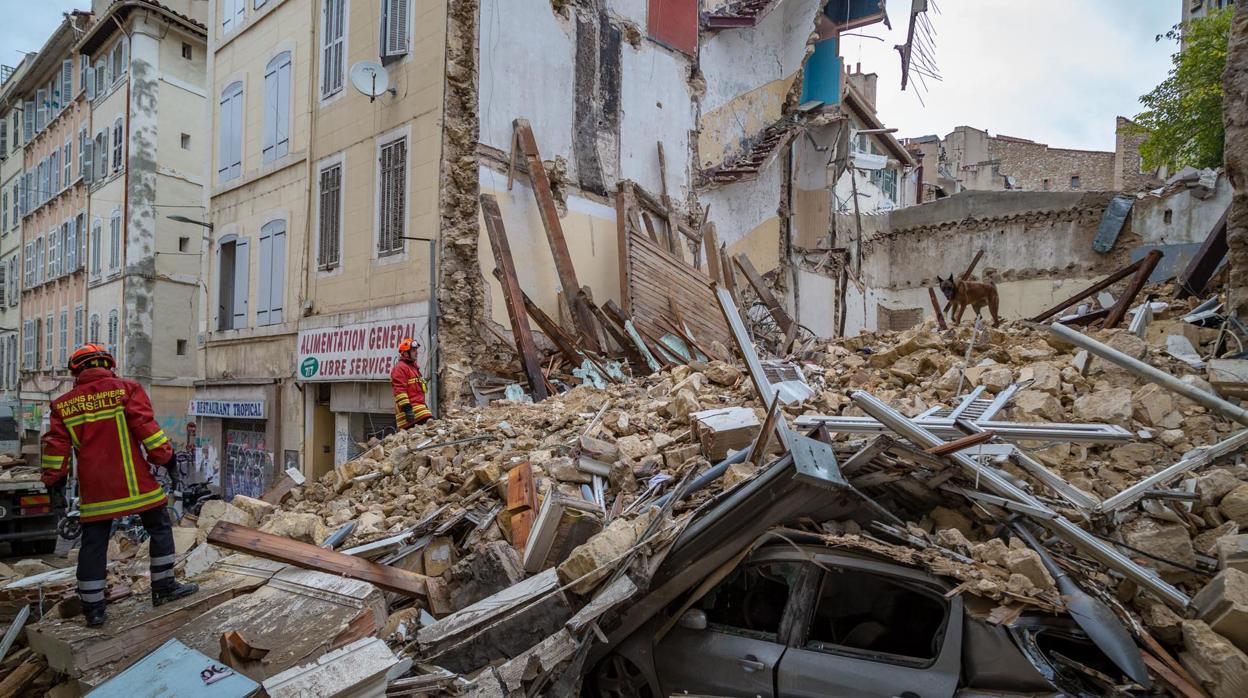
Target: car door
738, 640
876, 631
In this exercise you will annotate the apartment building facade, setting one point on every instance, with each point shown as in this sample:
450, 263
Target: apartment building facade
144, 152
12, 167
315, 188
54, 211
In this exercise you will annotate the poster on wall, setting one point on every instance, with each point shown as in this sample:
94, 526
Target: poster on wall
363, 351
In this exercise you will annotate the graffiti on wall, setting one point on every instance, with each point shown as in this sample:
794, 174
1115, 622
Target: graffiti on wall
249, 467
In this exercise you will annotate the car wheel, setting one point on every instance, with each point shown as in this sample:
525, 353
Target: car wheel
618, 677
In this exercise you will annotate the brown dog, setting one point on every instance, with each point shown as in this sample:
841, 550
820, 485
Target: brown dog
976, 294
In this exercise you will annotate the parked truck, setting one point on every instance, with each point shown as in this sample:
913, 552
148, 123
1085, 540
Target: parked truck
28, 511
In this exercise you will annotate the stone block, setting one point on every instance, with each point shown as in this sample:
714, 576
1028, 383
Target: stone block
1152, 403
1045, 377
1233, 552
589, 563
215, 510
1219, 666
1112, 406
255, 508
302, 527
1223, 604
1166, 540
1234, 505
1026, 562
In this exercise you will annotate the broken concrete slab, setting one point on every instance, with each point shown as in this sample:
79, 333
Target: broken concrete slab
1233, 552
1229, 377
590, 562
174, 669
1223, 604
360, 669
1219, 666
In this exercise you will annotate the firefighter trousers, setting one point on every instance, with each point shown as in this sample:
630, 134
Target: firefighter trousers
93, 556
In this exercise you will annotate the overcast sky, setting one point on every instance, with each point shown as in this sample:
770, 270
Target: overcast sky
1055, 71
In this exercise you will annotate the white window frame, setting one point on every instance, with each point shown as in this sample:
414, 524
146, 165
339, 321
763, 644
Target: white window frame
401, 133
339, 160
385, 49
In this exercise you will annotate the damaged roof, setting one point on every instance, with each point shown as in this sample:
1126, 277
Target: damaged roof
102, 28
862, 110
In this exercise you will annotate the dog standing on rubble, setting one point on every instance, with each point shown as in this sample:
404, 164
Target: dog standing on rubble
976, 294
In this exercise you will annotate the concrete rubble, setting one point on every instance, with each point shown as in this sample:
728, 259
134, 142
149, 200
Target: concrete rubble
461, 504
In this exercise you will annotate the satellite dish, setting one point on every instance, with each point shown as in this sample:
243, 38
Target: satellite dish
371, 78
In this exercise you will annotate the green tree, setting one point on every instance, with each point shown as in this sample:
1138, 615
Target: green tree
1183, 115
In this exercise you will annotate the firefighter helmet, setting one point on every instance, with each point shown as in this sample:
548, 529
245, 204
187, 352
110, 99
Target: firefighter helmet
91, 356
407, 344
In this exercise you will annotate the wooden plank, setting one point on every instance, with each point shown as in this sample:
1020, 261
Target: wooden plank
554, 229
549, 327
963, 443
940, 315
622, 242
615, 593
667, 203
521, 503
970, 268
1094, 288
1178, 683
764, 294
1196, 276
759, 450
19, 679
488, 609
511, 297
1119, 310
712, 251
266, 545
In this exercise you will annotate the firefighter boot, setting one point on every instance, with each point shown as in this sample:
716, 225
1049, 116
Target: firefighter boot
94, 611
169, 589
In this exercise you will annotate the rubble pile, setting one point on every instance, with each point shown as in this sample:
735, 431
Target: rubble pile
496, 546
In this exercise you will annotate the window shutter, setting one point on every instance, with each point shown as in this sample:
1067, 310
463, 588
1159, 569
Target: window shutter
332, 46
68, 157
264, 296
67, 81
4, 141
278, 272
240, 283
71, 246
330, 216
53, 248
78, 326
114, 242
54, 173
394, 27
41, 109
269, 135
84, 66
125, 56
88, 79
28, 122
101, 156
392, 197
4, 283
117, 142
87, 167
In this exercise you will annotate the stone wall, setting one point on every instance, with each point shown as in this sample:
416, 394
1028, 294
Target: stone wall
1037, 167
1128, 163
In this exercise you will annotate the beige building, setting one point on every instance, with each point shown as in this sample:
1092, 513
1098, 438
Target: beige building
144, 151
54, 210
12, 166
315, 191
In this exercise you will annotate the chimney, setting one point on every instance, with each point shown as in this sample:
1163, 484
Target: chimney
864, 84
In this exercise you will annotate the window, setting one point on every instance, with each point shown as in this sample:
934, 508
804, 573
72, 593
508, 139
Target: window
181, 347
100, 153
63, 355
73, 233
17, 203
860, 612
65, 256
67, 158
392, 198
54, 258
84, 157
186, 50
28, 345
112, 332
1074, 181
28, 272
117, 141
1044, 184
1167, 216
101, 77
14, 291
330, 220
257, 4
230, 141
184, 244
4, 212
114, 241
78, 326
93, 332
54, 173
120, 58
751, 600
97, 241
272, 273
232, 277
4, 140
49, 332
41, 109
39, 261
232, 14
4, 283
395, 20
186, 141
84, 67
28, 121
333, 46
277, 107
67, 81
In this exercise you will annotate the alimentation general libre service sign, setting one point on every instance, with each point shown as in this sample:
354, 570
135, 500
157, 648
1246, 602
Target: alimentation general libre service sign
359, 352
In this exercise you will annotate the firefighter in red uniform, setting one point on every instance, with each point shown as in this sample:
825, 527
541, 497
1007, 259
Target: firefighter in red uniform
104, 420
408, 387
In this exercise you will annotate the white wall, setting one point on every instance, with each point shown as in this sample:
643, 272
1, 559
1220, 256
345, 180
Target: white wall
736, 61
657, 105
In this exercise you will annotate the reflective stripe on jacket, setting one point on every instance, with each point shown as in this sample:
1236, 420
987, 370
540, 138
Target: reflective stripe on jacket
409, 389
108, 422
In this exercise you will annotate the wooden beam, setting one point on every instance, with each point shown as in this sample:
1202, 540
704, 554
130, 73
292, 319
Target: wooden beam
759, 451
581, 316
764, 294
712, 252
255, 542
1205, 262
960, 444
552, 330
624, 248
617, 333
970, 268
667, 204
1133, 289
521, 503
730, 277
940, 315
1094, 288
511, 297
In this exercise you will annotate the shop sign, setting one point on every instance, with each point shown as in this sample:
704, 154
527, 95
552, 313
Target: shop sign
227, 409
361, 352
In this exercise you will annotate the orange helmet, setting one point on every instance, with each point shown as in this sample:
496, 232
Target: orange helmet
91, 356
407, 344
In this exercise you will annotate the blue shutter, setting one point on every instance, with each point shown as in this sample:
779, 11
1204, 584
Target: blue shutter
241, 270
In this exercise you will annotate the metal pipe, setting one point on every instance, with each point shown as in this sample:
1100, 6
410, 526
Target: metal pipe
1206, 455
1152, 374
709, 476
998, 485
